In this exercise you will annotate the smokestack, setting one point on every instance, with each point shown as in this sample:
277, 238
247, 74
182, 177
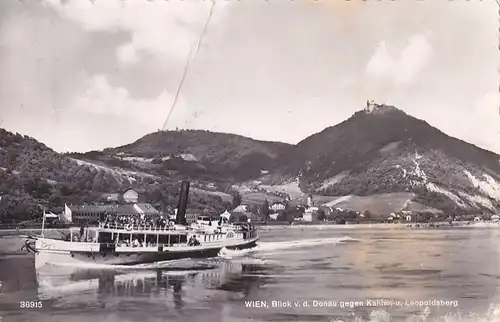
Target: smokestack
180, 217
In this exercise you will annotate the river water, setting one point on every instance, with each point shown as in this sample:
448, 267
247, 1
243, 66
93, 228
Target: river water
327, 273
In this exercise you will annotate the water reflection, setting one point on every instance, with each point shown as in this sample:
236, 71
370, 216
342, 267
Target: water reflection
127, 294
176, 288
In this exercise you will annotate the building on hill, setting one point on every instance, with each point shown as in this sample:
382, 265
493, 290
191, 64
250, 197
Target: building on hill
86, 214
111, 197
308, 216
128, 195
394, 217
244, 209
277, 207
309, 201
241, 208
407, 215
310, 213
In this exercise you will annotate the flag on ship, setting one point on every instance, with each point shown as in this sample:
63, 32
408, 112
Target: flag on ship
66, 216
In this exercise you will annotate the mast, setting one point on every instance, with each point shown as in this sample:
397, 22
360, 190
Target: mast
43, 221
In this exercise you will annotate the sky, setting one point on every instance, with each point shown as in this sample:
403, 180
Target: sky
81, 75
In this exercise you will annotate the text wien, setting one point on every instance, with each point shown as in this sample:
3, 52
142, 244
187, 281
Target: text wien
268, 304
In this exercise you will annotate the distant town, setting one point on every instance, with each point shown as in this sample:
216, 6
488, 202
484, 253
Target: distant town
130, 202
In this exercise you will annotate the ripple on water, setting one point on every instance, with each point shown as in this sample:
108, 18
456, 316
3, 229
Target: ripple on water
413, 272
385, 266
493, 276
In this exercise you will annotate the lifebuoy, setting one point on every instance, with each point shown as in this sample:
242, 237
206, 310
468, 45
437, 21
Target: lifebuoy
128, 227
230, 234
171, 223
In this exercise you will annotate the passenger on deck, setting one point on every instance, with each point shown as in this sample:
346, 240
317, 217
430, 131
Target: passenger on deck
193, 241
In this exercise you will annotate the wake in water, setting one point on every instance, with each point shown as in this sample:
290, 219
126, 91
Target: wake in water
174, 265
189, 264
269, 247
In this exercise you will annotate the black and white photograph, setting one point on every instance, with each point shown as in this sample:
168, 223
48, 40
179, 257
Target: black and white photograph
250, 160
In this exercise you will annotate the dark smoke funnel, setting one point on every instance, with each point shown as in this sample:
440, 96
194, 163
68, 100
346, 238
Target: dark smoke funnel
180, 218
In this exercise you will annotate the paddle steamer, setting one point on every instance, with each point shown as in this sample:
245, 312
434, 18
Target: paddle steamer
115, 244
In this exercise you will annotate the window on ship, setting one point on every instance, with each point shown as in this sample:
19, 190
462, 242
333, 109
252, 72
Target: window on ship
105, 238
163, 239
150, 240
174, 239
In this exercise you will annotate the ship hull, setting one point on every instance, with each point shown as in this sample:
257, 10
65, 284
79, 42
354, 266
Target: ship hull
56, 257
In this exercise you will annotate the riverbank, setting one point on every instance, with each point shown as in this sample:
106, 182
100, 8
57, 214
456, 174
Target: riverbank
436, 225
28, 231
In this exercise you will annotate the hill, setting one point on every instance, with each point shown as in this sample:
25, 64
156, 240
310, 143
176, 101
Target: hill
194, 154
380, 159
32, 174
380, 150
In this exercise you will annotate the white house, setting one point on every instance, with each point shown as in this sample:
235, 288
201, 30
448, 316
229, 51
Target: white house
112, 197
274, 216
131, 196
392, 217
309, 200
241, 208
307, 216
277, 207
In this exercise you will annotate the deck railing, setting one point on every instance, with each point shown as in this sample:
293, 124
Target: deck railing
144, 245
131, 227
154, 228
